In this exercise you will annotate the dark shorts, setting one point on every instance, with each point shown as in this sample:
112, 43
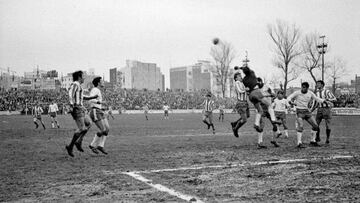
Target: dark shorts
303, 113
280, 115
166, 112
255, 96
221, 112
323, 113
96, 114
78, 112
242, 107
38, 117
52, 114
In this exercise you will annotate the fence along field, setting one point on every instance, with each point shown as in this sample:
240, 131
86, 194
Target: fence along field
35, 166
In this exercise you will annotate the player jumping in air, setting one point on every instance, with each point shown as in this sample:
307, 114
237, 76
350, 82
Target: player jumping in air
37, 111
242, 106
97, 116
78, 111
280, 106
255, 96
208, 105
301, 99
53, 109
324, 109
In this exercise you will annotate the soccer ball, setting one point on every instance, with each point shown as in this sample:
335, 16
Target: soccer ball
216, 41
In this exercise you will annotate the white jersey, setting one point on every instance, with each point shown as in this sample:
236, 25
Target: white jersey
94, 102
166, 108
302, 100
280, 105
53, 108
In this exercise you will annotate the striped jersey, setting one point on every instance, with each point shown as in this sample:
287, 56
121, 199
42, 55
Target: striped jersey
325, 94
240, 90
76, 94
208, 105
37, 111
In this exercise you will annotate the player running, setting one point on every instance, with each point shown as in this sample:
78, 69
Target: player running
53, 109
97, 116
242, 105
301, 99
207, 112
36, 112
324, 109
78, 111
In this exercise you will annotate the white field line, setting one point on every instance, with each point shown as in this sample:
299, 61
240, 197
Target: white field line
136, 174
163, 188
234, 164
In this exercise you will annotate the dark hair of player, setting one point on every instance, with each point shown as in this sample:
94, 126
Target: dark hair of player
76, 75
305, 84
96, 81
321, 82
236, 74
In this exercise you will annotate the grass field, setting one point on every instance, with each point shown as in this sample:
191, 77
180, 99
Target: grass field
180, 155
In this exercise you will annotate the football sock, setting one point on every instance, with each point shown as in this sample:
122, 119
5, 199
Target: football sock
37, 125
299, 134
313, 136
328, 131
257, 119
206, 122
272, 113
102, 141
239, 123
75, 137
260, 137
95, 141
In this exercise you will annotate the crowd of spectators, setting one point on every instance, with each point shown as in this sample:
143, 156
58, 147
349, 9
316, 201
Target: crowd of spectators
130, 99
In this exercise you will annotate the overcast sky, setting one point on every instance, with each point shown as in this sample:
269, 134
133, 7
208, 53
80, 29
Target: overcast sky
67, 35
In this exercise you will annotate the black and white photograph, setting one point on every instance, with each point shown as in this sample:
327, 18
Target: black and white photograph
179, 101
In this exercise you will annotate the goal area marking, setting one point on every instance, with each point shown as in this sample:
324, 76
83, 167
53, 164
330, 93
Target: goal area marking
190, 198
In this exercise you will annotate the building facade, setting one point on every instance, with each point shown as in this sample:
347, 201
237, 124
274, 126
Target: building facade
197, 77
139, 75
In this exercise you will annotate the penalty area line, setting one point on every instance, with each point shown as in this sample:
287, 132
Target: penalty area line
234, 164
163, 188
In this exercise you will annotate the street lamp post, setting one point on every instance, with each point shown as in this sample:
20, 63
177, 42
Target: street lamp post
246, 60
322, 50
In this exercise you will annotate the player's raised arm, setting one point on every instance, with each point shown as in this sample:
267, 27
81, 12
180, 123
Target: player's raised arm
318, 99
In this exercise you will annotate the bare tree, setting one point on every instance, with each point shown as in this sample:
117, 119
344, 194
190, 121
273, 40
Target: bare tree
311, 56
223, 54
336, 70
286, 38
